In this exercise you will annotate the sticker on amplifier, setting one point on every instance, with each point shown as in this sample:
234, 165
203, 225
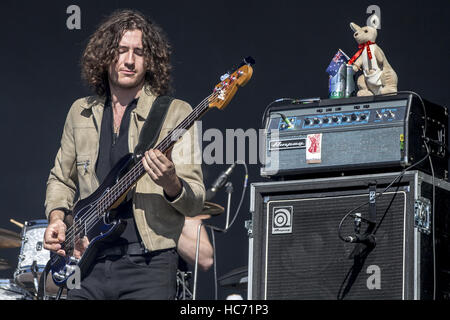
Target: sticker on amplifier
402, 142
282, 219
297, 143
314, 148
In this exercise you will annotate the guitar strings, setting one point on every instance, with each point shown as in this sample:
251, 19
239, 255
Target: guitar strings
88, 219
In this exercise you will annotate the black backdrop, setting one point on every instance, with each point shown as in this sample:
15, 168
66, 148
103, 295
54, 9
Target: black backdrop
292, 42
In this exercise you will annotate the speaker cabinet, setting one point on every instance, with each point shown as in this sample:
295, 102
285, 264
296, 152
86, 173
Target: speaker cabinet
295, 251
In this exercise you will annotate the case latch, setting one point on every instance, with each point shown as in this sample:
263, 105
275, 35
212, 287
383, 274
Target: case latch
422, 215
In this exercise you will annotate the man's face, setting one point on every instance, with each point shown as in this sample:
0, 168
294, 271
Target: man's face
129, 70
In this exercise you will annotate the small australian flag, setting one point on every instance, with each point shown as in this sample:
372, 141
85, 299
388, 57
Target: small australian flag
339, 58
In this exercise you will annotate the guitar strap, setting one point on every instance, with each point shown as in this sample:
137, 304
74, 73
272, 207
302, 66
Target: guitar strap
152, 126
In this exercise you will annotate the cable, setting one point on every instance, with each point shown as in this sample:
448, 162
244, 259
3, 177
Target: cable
285, 119
293, 101
428, 155
377, 196
269, 105
215, 263
240, 202
423, 108
406, 169
433, 185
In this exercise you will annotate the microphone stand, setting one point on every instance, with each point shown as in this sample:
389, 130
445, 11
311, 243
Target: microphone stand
194, 294
34, 272
229, 190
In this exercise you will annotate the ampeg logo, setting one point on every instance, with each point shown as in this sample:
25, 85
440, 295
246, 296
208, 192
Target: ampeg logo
287, 144
282, 220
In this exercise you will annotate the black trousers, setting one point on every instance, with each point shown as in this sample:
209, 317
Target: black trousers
150, 276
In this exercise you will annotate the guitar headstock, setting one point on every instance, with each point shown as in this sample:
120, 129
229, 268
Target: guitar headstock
227, 88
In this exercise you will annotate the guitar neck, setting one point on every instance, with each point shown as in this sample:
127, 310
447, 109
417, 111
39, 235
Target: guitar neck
112, 195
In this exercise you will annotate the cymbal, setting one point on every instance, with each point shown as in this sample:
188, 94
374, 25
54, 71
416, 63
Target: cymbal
200, 217
4, 265
9, 239
213, 209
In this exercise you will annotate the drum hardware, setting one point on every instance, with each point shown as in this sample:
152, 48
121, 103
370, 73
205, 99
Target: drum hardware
10, 291
183, 288
34, 271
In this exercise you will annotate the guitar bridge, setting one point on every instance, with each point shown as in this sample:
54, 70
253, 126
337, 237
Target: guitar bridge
69, 269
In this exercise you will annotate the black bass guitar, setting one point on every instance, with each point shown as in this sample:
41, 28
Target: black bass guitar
92, 217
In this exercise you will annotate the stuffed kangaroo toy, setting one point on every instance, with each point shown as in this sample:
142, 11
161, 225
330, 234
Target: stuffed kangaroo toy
378, 76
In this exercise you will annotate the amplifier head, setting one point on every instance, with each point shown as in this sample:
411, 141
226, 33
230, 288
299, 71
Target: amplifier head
355, 134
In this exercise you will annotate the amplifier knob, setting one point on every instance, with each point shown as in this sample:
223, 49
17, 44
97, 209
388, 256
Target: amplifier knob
362, 117
354, 117
316, 121
335, 119
345, 118
379, 115
391, 114
307, 122
325, 120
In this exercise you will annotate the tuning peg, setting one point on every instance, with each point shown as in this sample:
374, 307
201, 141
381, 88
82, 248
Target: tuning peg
225, 76
249, 60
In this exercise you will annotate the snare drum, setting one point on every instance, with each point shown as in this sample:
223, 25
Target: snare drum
10, 291
32, 256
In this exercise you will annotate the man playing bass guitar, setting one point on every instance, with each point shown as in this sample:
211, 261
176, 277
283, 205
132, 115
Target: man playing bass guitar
126, 62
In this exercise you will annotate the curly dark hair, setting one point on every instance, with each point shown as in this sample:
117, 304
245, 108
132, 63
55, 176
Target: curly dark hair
102, 50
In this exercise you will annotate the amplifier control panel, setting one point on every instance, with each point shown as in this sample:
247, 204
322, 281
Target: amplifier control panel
342, 116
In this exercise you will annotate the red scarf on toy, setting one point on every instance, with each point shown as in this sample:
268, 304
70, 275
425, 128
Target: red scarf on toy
361, 49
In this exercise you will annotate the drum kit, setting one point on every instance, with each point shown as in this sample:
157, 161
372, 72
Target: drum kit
31, 261
33, 258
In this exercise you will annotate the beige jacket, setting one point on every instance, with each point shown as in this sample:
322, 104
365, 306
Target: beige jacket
158, 220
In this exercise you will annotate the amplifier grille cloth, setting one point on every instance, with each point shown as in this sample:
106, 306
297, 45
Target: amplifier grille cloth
313, 263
